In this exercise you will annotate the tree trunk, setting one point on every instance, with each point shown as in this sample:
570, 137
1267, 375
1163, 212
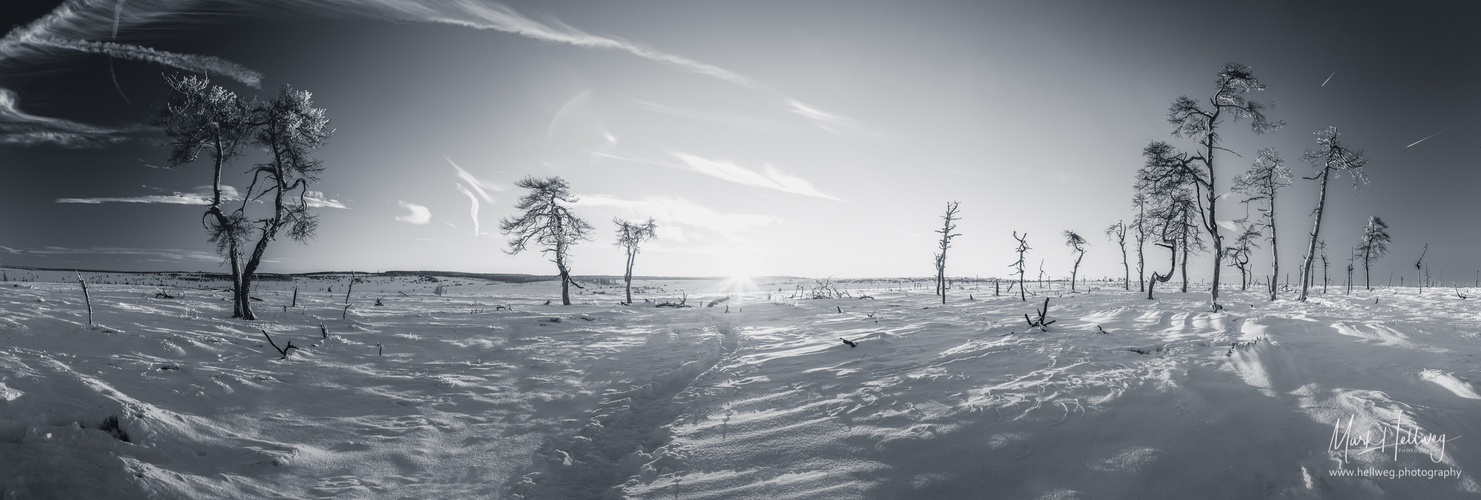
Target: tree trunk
1274, 248
1160, 278
628, 277
1316, 229
1075, 271
1212, 225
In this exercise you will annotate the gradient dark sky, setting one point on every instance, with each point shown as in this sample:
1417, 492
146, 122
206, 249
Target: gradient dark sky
816, 138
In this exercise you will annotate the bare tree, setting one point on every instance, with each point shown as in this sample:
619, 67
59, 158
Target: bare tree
1117, 232
199, 116
1322, 247
948, 225
1259, 184
1330, 158
1374, 244
1419, 269
289, 128
1021, 265
1078, 244
1200, 122
629, 236
1351, 256
547, 221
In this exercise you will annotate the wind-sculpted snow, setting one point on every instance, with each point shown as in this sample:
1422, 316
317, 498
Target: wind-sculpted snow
485, 391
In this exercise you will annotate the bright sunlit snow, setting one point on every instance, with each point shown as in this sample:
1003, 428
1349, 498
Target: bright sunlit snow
485, 391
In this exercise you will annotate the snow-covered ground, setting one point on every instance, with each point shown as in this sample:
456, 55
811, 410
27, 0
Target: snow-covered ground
486, 391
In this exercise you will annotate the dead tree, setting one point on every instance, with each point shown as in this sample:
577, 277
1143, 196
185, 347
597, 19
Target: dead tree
1330, 158
1117, 232
281, 350
1419, 268
1351, 256
86, 298
948, 225
1039, 323
1199, 121
1020, 265
1259, 184
1078, 244
1322, 246
549, 223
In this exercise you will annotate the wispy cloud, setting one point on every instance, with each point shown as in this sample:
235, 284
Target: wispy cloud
471, 185
831, 122
473, 210
151, 254
317, 199
417, 214
478, 185
201, 196
72, 25
18, 128
769, 178
679, 211
497, 17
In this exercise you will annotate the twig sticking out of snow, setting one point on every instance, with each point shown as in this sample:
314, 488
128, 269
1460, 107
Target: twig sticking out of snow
1102, 330
281, 350
86, 298
849, 342
323, 331
1039, 323
684, 298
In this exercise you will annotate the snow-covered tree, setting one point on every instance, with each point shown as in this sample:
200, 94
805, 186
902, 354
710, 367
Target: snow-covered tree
1330, 158
1259, 184
1200, 121
289, 128
1374, 244
629, 236
198, 116
549, 223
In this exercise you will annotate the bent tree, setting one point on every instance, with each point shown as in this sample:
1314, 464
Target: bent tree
1077, 244
1330, 158
548, 223
198, 116
1192, 119
289, 128
629, 236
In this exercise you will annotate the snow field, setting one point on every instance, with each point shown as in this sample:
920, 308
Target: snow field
484, 391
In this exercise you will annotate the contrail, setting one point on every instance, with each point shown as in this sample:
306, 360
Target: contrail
117, 13
1467, 122
1329, 78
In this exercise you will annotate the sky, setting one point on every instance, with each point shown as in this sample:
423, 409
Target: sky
765, 138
